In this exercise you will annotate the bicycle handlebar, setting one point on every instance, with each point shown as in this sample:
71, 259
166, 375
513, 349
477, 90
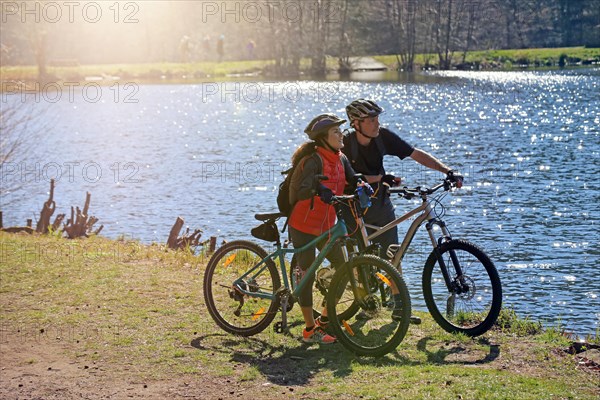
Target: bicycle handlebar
343, 198
409, 193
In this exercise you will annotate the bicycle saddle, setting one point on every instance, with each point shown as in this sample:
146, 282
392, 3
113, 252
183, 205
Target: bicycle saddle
268, 216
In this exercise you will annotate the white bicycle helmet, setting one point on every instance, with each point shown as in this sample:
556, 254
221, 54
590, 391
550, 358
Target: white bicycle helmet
362, 108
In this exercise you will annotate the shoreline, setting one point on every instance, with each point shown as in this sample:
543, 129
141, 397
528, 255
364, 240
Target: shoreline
20, 86
200, 72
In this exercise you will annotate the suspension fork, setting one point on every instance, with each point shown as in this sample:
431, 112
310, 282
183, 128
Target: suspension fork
356, 280
452, 285
350, 248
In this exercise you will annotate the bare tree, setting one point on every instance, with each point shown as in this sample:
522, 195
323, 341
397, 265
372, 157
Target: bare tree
286, 40
345, 47
473, 15
20, 125
402, 17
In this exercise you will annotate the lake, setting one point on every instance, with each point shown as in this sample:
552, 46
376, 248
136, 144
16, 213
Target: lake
528, 144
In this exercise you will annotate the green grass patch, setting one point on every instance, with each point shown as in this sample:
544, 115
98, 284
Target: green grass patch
138, 312
510, 59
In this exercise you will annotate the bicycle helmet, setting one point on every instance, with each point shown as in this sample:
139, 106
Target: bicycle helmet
321, 124
362, 108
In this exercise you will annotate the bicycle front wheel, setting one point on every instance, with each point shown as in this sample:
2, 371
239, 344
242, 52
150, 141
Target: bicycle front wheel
472, 302
248, 307
320, 294
366, 283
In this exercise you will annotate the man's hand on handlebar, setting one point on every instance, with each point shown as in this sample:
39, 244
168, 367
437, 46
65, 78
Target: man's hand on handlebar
391, 180
455, 177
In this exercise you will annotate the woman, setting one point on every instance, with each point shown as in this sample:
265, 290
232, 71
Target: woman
311, 215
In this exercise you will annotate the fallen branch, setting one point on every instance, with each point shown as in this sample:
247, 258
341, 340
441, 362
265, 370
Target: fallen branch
18, 229
57, 221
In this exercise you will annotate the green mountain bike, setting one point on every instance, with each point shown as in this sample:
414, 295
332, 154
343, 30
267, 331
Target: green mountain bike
245, 287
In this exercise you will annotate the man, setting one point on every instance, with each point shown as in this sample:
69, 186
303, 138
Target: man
365, 147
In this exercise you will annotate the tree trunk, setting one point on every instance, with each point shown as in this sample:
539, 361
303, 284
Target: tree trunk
40, 55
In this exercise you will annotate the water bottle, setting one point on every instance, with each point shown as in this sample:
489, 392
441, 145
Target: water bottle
363, 197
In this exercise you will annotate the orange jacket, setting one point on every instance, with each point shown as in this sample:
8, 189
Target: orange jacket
322, 217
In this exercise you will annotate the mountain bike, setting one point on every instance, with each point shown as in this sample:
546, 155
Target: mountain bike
461, 285
245, 287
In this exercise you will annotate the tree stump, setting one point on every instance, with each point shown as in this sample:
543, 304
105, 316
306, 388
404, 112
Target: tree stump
187, 240
172, 240
47, 211
80, 224
57, 221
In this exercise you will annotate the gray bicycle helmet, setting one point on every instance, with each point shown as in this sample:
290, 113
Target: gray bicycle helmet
362, 108
321, 124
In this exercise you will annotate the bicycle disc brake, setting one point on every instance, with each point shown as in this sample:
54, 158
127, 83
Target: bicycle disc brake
372, 305
466, 288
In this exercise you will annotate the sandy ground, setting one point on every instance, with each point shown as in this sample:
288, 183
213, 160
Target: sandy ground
41, 370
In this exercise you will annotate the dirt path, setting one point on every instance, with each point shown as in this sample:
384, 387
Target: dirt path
47, 369
31, 369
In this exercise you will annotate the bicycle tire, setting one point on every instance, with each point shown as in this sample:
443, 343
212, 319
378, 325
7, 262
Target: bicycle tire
473, 312
233, 312
319, 295
380, 333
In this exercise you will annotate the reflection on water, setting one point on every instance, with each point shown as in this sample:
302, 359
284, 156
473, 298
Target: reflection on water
528, 143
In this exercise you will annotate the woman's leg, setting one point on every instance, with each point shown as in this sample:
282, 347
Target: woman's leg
305, 259
336, 257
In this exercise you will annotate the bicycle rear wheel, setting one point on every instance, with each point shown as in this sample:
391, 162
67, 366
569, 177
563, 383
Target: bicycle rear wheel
234, 311
366, 281
473, 302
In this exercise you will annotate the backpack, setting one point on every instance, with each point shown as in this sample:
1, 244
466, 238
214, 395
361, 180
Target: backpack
283, 196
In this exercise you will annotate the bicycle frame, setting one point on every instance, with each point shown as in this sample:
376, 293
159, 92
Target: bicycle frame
424, 213
338, 231
244, 284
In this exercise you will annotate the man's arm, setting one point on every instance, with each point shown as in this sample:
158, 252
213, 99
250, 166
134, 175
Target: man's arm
429, 161
423, 158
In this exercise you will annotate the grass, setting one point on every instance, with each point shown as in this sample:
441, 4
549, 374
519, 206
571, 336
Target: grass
199, 71
139, 72
509, 59
138, 311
